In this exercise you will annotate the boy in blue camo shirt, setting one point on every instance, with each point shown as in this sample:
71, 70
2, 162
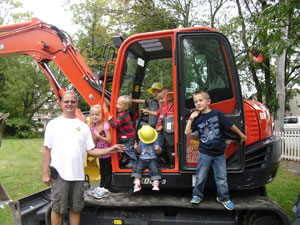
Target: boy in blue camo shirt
212, 146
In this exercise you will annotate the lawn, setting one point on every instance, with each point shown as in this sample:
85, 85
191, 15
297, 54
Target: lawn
285, 188
21, 174
20, 170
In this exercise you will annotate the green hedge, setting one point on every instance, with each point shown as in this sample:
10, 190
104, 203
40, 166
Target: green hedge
21, 127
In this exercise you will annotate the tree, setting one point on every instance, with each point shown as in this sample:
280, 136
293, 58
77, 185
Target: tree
181, 11
259, 25
23, 91
189, 13
280, 75
92, 37
8, 12
279, 22
136, 16
247, 50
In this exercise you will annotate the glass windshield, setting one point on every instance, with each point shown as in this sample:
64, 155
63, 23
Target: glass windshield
205, 68
291, 120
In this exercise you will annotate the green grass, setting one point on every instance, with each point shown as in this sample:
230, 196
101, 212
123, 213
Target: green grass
20, 170
21, 175
285, 189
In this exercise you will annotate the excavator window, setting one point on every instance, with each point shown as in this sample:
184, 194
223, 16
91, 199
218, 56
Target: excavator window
147, 62
129, 73
205, 69
205, 66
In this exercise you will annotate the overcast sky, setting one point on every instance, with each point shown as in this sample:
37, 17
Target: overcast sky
51, 12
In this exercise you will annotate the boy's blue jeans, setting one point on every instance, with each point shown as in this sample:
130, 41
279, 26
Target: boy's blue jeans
142, 164
220, 174
130, 151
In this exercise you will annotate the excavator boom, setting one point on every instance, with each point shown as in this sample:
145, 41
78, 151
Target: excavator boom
46, 43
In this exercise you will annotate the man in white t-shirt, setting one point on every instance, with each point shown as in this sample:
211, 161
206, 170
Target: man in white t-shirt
66, 141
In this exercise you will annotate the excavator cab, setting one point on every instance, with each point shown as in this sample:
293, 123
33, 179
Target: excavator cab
183, 61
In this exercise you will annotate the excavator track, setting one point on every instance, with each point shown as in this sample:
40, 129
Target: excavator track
160, 207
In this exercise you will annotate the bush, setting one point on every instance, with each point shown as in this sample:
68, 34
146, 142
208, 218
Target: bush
40, 125
20, 127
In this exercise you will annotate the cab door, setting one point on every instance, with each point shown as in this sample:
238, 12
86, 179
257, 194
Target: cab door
204, 61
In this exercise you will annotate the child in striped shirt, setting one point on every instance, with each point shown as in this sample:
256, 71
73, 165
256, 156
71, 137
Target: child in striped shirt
126, 131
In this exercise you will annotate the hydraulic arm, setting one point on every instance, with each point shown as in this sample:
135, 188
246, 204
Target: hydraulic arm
45, 43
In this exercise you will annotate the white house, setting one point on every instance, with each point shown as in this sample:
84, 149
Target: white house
294, 106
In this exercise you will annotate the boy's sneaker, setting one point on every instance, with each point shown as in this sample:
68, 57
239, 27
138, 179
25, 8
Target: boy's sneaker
196, 199
129, 166
137, 187
124, 160
92, 191
155, 186
227, 204
101, 194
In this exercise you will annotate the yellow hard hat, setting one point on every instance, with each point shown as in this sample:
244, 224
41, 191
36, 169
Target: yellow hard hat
154, 86
147, 134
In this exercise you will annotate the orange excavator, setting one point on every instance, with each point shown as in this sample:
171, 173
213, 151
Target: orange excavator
184, 60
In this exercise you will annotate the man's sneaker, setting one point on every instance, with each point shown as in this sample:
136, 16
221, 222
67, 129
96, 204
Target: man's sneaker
227, 204
196, 199
155, 186
137, 187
